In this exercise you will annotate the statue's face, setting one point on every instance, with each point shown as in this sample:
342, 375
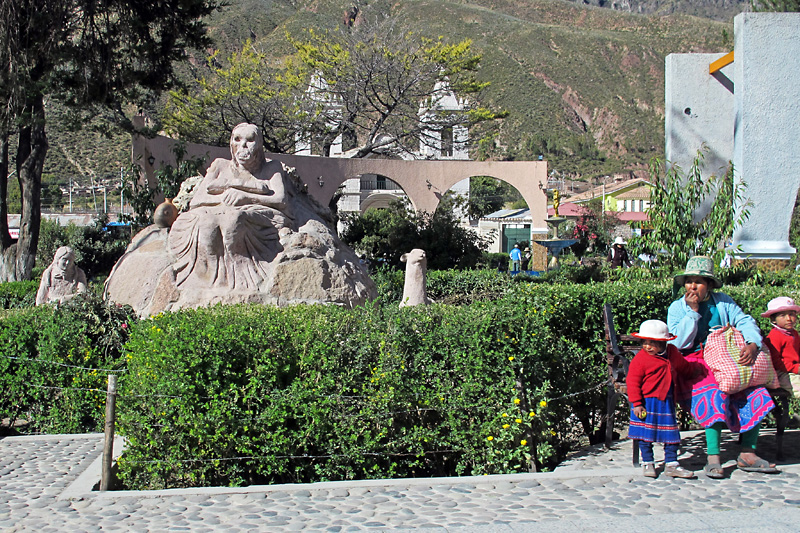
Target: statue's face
63, 262
245, 145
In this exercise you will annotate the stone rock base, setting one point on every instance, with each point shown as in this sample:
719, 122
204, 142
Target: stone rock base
768, 265
313, 267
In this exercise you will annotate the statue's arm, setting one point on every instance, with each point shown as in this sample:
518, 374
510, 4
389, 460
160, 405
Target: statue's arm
44, 287
274, 195
201, 195
80, 276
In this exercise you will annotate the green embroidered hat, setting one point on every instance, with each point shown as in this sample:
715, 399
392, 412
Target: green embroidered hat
699, 265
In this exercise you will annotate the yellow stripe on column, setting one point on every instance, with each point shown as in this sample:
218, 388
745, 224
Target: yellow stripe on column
723, 61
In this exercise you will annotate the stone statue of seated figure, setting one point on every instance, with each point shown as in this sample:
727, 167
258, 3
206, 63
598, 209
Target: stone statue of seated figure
62, 280
232, 228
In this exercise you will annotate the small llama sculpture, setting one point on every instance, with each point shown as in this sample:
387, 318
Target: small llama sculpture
416, 270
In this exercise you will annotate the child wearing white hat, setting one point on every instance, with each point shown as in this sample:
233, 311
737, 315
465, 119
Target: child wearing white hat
784, 342
651, 391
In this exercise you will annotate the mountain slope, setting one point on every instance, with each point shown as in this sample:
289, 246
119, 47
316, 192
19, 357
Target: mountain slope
568, 74
584, 86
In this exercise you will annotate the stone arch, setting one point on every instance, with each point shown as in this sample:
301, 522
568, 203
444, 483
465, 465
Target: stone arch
424, 182
382, 191
377, 201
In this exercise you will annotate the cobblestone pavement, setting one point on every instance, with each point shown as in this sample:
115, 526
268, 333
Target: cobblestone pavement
46, 485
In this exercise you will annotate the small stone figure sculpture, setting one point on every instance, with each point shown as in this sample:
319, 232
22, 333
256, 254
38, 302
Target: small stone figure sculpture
414, 292
62, 280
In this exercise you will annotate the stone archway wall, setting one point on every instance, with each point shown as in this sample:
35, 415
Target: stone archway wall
424, 182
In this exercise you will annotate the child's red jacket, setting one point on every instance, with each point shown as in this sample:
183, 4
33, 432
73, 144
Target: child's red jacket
653, 375
785, 350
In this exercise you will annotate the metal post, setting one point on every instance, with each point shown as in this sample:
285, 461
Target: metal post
121, 192
108, 444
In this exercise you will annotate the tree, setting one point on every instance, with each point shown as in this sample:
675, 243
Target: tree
379, 76
674, 201
486, 195
365, 81
389, 233
234, 89
93, 56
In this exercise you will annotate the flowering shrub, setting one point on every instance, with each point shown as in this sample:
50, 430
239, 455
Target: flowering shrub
313, 393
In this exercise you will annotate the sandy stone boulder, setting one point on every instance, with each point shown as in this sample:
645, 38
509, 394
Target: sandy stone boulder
251, 234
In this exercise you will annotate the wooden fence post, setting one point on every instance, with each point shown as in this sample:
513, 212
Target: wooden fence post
108, 443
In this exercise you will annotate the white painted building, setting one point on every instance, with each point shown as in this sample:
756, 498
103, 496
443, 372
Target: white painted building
373, 191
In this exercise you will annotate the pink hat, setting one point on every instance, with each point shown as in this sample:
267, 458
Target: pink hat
654, 330
779, 305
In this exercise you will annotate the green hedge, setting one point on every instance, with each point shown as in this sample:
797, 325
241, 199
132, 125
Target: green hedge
238, 395
315, 393
18, 294
50, 359
245, 394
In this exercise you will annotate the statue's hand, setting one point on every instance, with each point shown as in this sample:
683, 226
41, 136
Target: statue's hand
231, 197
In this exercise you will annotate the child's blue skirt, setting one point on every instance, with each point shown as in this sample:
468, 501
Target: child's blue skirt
660, 423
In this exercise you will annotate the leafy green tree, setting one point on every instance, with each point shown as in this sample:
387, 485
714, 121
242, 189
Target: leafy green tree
227, 91
93, 56
377, 74
387, 234
365, 82
674, 200
486, 195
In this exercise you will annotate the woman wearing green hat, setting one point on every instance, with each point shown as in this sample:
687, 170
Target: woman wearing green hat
690, 318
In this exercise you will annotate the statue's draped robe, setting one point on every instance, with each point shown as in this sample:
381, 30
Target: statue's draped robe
226, 247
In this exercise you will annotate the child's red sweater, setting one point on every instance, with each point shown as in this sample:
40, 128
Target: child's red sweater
653, 375
785, 350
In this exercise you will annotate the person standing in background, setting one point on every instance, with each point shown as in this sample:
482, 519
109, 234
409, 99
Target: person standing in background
618, 255
516, 258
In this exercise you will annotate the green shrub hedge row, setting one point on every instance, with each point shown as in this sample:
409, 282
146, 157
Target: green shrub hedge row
49, 361
246, 394
18, 294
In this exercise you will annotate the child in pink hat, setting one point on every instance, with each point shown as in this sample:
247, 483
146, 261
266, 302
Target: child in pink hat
651, 391
784, 342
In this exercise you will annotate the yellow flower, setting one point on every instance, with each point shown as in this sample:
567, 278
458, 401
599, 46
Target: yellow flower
516, 401
518, 421
552, 432
489, 438
523, 442
506, 426
531, 414
510, 357
505, 415
543, 403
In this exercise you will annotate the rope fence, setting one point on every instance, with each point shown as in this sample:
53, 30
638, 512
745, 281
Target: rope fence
112, 395
64, 365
